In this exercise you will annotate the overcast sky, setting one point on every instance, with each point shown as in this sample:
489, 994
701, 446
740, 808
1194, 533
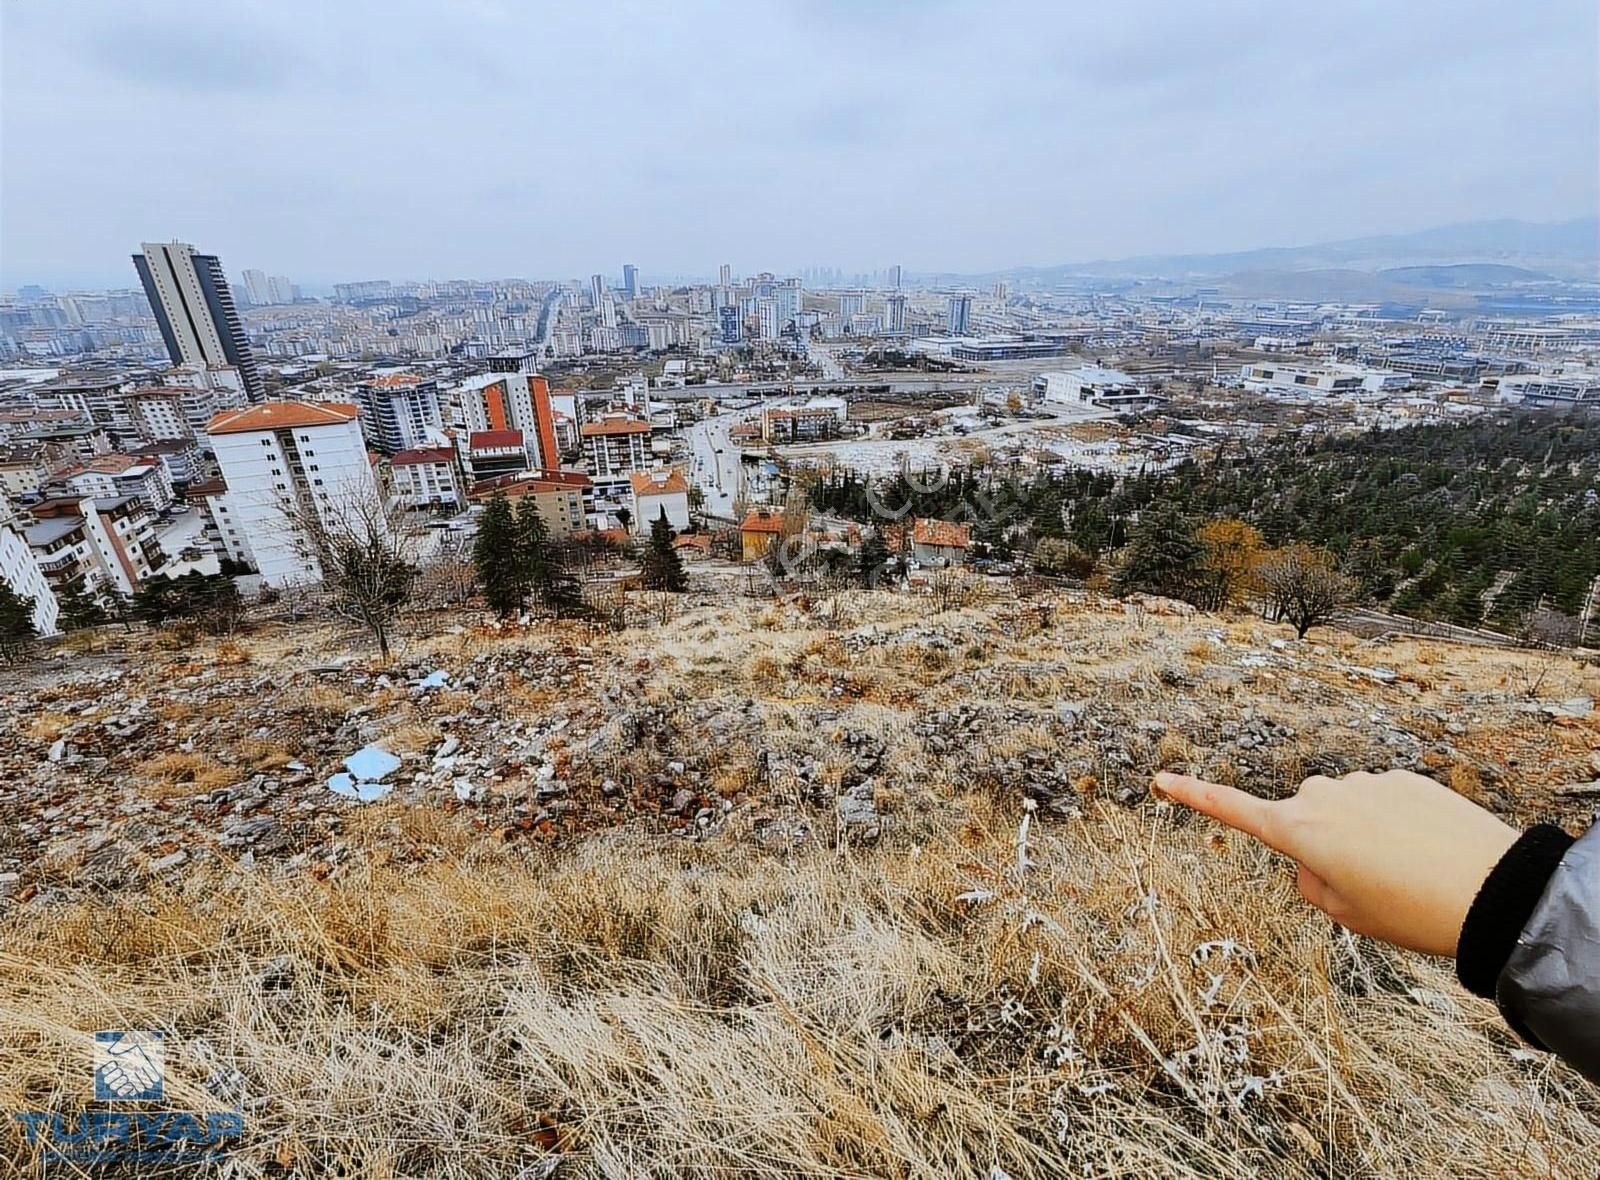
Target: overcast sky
342, 139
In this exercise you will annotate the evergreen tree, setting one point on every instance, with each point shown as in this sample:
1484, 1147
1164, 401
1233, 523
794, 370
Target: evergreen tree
872, 558
1165, 557
662, 568
79, 610
16, 623
542, 566
496, 559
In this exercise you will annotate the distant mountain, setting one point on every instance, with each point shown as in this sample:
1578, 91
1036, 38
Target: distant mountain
1466, 275
1560, 250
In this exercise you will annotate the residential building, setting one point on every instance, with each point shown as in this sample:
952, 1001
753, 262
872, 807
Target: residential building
658, 490
630, 280
958, 313
940, 542
597, 290
787, 424
558, 496
730, 329
194, 309
615, 445
851, 303
285, 462
725, 275
110, 476
894, 276
511, 400
492, 453
96, 545
23, 470
760, 530
400, 412
767, 317
894, 315
428, 477
159, 413
19, 569
182, 459
211, 496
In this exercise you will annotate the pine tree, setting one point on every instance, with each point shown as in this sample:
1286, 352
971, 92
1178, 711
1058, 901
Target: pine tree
79, 610
1165, 557
662, 568
496, 559
16, 623
872, 558
543, 571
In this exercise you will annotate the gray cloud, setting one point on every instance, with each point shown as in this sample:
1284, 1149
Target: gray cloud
408, 138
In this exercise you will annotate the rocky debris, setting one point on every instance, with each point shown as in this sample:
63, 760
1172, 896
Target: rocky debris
857, 810
117, 770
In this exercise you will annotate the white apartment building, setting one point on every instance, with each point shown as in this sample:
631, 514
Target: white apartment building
1320, 380
616, 444
19, 569
109, 476
658, 490
400, 411
428, 477
281, 460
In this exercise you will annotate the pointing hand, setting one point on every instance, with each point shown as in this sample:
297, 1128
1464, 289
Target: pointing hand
1395, 856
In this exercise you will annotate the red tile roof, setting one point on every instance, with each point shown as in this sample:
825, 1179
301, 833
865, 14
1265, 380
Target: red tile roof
395, 381
943, 534
616, 426
645, 483
280, 416
760, 520
480, 440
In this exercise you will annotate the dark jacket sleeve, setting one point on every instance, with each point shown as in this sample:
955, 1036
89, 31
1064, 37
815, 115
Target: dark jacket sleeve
1531, 942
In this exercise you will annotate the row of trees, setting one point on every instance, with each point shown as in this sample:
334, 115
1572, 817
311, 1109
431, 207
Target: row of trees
519, 566
1227, 561
1479, 524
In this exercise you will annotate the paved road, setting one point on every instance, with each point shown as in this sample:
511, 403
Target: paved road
714, 463
930, 383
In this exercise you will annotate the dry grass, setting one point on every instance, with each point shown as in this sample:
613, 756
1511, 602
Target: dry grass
712, 1012
47, 726
180, 774
1148, 998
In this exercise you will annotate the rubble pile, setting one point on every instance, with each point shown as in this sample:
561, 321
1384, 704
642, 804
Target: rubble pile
139, 765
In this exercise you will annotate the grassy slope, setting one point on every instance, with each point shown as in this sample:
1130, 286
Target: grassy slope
1146, 997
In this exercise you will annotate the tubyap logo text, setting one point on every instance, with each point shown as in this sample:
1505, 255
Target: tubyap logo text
130, 1068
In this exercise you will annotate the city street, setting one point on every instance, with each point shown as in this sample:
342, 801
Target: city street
715, 463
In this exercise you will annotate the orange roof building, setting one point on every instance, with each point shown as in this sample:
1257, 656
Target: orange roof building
281, 416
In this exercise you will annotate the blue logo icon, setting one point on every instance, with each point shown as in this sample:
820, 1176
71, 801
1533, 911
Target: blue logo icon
129, 1066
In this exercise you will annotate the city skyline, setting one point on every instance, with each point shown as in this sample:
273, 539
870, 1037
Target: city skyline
866, 135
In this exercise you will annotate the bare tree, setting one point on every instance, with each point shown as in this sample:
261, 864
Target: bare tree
1303, 586
366, 555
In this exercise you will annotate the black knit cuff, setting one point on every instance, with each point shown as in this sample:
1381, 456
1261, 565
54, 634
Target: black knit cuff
1507, 899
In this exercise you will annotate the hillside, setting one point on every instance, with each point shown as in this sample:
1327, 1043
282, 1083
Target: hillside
1567, 249
844, 887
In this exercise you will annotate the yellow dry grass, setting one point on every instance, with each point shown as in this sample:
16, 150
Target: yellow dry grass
715, 1011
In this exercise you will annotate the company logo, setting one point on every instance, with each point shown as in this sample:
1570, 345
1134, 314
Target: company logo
129, 1066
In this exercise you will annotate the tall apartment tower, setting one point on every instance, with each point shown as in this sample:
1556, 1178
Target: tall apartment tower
630, 280
189, 296
725, 276
960, 314
597, 289
894, 276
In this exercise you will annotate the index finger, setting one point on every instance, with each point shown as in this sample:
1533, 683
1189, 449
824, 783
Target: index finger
1234, 807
